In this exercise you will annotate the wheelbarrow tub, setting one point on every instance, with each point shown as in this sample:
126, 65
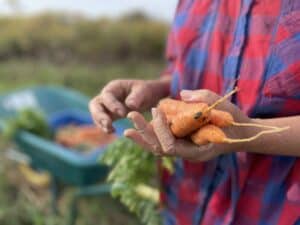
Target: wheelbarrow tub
69, 166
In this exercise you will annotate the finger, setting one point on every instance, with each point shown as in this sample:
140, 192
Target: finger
201, 95
135, 98
163, 132
192, 152
112, 104
208, 97
181, 148
146, 131
100, 117
137, 138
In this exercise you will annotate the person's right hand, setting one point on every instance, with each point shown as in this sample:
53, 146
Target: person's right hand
119, 97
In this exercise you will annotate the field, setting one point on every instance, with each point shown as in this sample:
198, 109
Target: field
86, 78
20, 202
70, 51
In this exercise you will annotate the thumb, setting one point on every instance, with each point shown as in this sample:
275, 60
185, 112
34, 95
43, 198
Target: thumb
187, 95
201, 95
136, 97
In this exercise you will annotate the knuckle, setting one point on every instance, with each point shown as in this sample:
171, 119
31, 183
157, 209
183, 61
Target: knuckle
141, 85
156, 149
111, 85
169, 148
141, 128
149, 127
101, 97
114, 82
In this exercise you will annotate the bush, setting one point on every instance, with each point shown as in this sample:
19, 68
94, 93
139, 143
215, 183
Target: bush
62, 37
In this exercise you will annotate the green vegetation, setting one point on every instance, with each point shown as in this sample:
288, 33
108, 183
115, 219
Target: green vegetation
29, 120
137, 172
133, 168
87, 78
82, 54
18, 200
62, 38
24, 204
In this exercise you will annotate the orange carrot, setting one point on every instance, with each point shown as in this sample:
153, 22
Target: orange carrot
171, 107
225, 119
208, 134
195, 117
185, 123
221, 118
213, 134
186, 118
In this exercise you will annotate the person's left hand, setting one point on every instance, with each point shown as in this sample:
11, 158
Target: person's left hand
157, 137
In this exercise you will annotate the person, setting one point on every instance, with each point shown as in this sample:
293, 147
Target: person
212, 47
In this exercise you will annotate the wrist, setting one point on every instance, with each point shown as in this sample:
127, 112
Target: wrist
254, 145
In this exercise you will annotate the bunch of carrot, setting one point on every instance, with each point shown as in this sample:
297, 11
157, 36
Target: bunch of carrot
202, 123
89, 135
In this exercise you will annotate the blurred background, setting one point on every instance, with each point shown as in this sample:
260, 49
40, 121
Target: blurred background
80, 45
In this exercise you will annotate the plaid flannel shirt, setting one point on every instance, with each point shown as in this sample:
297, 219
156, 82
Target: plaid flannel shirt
255, 45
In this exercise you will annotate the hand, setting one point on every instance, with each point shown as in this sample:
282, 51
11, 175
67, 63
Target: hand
121, 96
157, 137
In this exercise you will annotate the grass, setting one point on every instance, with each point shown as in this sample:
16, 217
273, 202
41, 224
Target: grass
88, 79
20, 202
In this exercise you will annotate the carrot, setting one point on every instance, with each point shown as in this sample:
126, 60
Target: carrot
221, 118
213, 134
171, 107
194, 117
208, 134
225, 119
185, 123
203, 122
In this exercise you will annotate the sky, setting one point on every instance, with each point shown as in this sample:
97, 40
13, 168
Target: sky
159, 9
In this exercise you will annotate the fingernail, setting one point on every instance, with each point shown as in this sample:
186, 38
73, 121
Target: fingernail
136, 125
129, 115
186, 95
186, 92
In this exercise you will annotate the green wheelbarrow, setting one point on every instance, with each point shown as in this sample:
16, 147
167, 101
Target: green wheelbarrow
61, 106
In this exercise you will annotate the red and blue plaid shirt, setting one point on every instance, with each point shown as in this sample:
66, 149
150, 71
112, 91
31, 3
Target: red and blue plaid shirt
255, 45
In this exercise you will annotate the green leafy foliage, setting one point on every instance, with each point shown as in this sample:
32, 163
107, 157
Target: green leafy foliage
30, 120
63, 37
134, 176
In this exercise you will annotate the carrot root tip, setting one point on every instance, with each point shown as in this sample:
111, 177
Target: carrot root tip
253, 125
277, 130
